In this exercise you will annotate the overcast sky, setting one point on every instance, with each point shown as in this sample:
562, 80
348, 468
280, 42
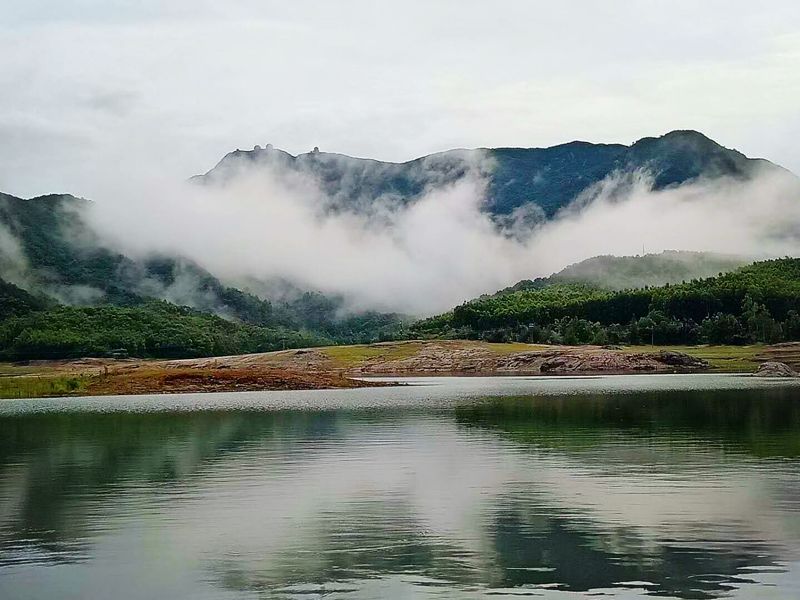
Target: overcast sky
99, 91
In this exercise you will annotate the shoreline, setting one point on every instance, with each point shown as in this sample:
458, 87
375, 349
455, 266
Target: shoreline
343, 367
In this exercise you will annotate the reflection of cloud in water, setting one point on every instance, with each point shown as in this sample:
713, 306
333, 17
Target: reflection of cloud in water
479, 501
398, 501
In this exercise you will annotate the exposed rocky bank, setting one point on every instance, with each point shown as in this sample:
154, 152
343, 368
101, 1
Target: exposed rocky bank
485, 359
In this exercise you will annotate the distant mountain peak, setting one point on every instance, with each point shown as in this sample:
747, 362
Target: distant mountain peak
549, 178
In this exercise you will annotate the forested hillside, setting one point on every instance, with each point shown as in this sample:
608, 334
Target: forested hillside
756, 303
15, 301
154, 329
62, 259
626, 272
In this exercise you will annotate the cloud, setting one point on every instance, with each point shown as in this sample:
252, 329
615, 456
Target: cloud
268, 223
13, 263
622, 215
176, 84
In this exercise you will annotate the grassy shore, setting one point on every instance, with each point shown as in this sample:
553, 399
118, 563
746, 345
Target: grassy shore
37, 386
346, 357
316, 368
352, 357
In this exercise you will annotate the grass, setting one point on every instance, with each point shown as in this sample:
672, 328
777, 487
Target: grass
8, 369
512, 347
35, 386
349, 356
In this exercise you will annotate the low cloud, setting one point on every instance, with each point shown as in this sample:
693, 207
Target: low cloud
268, 224
623, 215
13, 263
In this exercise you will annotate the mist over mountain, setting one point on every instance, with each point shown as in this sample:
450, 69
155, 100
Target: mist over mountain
51, 249
341, 246
630, 272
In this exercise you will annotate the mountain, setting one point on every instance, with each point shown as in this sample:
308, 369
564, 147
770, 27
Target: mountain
518, 178
154, 329
64, 258
57, 274
72, 296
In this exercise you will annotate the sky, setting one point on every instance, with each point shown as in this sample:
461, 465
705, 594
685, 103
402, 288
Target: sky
97, 94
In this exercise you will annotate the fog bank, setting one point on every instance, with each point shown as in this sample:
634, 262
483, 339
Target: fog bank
442, 249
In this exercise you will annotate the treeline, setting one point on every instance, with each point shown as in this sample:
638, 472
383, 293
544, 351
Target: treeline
155, 329
34, 326
757, 303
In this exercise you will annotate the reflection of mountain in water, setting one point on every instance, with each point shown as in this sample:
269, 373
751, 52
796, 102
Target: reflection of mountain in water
582, 492
66, 469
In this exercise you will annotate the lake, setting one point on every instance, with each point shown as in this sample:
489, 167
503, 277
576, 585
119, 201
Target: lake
676, 486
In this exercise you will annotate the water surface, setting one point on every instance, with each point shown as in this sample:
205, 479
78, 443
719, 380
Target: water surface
620, 487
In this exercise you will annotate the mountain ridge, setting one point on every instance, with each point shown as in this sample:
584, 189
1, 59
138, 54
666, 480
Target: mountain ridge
577, 142
616, 273
548, 178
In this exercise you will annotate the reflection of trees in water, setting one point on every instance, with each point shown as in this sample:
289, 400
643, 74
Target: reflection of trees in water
558, 551
762, 423
69, 471
524, 548
65, 469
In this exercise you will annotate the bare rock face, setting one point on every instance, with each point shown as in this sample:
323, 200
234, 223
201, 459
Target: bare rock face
456, 357
680, 359
775, 369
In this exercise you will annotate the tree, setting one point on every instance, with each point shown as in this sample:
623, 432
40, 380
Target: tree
760, 325
721, 328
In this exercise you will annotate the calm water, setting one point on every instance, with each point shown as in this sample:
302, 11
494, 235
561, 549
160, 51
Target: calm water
622, 487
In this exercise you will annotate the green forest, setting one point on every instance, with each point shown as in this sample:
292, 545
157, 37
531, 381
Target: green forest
756, 303
153, 329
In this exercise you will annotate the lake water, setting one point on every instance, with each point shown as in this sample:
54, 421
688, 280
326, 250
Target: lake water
622, 487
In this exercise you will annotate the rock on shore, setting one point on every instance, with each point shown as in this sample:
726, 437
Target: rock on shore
775, 369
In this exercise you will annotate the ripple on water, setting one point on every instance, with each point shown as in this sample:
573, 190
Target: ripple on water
668, 486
